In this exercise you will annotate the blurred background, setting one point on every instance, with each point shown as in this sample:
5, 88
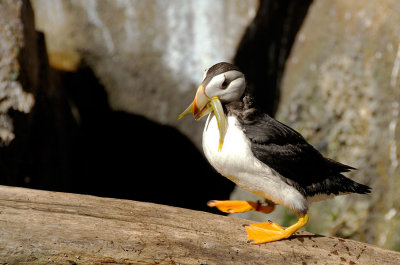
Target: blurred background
90, 91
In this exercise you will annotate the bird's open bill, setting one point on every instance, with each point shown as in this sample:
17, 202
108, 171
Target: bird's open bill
203, 105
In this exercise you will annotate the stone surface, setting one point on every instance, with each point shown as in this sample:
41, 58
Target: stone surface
149, 55
12, 94
341, 90
40, 130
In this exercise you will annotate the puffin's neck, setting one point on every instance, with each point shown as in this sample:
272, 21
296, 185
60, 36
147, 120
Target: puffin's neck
243, 107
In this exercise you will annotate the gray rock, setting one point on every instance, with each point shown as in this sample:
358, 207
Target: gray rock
12, 94
149, 55
341, 90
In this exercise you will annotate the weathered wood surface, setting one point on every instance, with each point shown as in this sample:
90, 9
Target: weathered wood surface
42, 227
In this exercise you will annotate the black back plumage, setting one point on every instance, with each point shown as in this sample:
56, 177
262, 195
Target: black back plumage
287, 152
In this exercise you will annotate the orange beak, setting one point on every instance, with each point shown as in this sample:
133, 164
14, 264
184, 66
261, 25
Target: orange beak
199, 107
200, 104
203, 105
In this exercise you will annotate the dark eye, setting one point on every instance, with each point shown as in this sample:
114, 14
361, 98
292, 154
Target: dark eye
224, 85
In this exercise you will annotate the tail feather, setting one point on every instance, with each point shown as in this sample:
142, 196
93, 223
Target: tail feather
335, 185
354, 187
338, 167
339, 183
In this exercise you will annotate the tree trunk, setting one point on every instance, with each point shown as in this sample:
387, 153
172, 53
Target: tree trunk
42, 227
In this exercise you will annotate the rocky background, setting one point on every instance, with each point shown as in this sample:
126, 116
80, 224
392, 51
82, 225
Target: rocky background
90, 91
341, 90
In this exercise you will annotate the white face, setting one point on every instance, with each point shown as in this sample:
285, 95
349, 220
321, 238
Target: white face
228, 86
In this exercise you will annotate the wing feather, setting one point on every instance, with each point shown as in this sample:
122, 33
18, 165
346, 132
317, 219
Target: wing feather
287, 152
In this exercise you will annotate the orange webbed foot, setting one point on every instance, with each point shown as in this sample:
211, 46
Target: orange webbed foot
241, 206
268, 232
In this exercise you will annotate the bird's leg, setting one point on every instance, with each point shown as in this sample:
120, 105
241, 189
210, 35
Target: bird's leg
268, 232
241, 206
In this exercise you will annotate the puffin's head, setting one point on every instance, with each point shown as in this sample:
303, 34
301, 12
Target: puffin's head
222, 83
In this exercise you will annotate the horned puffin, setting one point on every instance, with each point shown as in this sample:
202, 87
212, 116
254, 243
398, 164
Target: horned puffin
262, 155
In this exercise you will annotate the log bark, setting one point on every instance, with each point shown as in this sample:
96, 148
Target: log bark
42, 227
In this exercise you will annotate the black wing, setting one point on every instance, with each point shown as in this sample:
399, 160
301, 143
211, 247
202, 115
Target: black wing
301, 165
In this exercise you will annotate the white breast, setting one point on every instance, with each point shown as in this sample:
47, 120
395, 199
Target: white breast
237, 162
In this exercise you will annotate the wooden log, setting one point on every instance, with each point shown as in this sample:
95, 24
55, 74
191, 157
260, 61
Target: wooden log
42, 227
